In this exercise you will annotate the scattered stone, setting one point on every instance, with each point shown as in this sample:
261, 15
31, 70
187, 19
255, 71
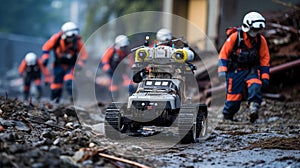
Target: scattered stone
78, 155
19, 125
91, 145
56, 141
273, 119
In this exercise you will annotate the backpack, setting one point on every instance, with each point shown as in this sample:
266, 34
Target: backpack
242, 61
33, 71
64, 60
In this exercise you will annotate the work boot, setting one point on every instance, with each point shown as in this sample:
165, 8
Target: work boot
253, 111
229, 117
26, 95
39, 93
56, 95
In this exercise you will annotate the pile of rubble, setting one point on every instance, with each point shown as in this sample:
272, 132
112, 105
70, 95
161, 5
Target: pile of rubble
42, 135
283, 35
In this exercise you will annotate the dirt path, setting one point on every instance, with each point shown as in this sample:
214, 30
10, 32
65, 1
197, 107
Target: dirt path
38, 135
272, 141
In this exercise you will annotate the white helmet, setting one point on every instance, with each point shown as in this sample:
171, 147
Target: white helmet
69, 29
163, 35
253, 20
30, 58
121, 41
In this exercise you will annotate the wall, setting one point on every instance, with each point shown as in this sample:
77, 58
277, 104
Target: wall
13, 49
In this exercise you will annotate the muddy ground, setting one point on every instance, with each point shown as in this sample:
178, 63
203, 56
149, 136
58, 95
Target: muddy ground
42, 135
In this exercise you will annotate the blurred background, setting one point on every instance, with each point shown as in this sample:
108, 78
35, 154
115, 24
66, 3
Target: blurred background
26, 24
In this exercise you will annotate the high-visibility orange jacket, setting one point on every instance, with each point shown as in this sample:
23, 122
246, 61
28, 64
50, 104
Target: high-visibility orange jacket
23, 66
263, 53
61, 48
112, 57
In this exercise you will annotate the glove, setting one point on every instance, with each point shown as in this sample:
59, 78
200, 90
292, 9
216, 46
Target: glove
45, 63
106, 68
138, 77
222, 76
110, 72
47, 84
265, 83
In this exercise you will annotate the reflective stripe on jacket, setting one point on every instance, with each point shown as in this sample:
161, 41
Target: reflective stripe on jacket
264, 56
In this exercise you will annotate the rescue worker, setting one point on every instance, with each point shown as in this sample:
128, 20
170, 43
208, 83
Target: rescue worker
30, 69
244, 60
163, 35
112, 58
66, 44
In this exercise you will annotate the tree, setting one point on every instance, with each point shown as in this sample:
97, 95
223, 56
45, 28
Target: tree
28, 17
100, 12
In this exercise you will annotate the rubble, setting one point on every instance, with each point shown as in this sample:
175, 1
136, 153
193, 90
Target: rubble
44, 135
283, 35
33, 136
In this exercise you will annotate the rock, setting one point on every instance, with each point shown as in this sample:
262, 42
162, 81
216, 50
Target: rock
91, 145
55, 150
17, 148
38, 165
50, 122
6, 123
48, 141
273, 119
44, 148
76, 125
67, 133
8, 137
35, 153
47, 134
68, 161
69, 125
21, 126
39, 143
78, 155
87, 163
56, 141
100, 163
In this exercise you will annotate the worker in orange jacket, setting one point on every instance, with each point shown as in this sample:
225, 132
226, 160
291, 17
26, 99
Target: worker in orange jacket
163, 36
111, 60
67, 45
30, 69
244, 60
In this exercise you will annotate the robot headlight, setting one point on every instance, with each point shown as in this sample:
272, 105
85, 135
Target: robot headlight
180, 55
142, 54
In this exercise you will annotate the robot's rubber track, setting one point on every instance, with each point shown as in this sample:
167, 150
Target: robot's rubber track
185, 123
112, 120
